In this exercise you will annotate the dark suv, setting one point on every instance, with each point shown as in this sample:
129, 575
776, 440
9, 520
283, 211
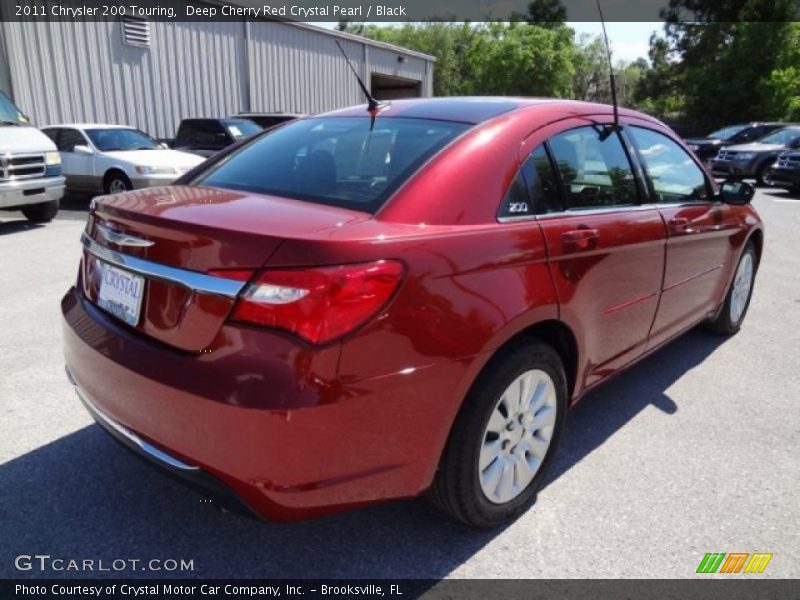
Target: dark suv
785, 172
208, 136
752, 160
706, 148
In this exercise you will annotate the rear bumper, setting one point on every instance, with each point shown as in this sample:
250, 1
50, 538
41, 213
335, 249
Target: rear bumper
188, 474
24, 192
267, 419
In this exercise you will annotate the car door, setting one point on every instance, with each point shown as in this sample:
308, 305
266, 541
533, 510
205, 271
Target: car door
78, 168
699, 230
606, 249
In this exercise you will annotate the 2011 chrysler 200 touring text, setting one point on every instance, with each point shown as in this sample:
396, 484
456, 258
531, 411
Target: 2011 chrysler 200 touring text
370, 304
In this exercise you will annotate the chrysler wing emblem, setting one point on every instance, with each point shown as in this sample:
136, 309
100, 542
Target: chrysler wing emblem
121, 239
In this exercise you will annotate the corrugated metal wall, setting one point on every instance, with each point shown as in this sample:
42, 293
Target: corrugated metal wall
298, 70
73, 71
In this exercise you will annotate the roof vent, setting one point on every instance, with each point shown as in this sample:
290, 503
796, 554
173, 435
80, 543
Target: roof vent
135, 32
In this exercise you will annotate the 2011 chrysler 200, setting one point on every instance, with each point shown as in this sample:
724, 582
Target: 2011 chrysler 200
372, 304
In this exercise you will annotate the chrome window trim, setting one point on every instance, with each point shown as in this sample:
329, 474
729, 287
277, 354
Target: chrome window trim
197, 282
601, 211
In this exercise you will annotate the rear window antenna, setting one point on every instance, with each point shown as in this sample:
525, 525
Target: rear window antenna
372, 103
615, 127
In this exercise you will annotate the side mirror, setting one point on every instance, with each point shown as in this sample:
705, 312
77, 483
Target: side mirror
736, 192
82, 149
794, 144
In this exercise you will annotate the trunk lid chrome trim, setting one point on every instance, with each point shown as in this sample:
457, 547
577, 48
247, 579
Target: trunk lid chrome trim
193, 280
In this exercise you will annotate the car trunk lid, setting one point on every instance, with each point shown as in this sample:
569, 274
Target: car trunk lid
180, 239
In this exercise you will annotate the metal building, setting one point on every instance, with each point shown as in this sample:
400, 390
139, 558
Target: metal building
152, 74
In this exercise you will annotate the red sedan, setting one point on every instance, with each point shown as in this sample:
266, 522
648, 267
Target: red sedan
369, 305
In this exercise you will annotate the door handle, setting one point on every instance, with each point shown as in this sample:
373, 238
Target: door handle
679, 225
580, 239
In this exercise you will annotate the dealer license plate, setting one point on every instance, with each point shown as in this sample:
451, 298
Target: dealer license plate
120, 293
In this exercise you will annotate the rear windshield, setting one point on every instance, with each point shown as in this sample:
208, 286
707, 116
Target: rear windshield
341, 161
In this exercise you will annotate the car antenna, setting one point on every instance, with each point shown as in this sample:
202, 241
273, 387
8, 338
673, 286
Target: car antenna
609, 130
372, 103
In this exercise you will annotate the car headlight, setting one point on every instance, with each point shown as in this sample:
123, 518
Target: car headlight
52, 158
746, 155
147, 170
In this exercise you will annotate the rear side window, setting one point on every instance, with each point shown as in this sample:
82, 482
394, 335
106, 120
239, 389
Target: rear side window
348, 162
534, 189
596, 172
673, 176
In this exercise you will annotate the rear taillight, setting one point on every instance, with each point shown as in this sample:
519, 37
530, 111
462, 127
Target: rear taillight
318, 304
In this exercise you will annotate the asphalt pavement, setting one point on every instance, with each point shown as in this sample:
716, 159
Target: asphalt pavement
694, 450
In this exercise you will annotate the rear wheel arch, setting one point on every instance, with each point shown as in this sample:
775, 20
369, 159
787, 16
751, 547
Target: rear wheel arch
556, 334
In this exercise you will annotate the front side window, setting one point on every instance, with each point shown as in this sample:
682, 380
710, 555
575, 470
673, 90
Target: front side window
9, 113
114, 139
726, 133
674, 176
784, 136
69, 139
594, 169
349, 162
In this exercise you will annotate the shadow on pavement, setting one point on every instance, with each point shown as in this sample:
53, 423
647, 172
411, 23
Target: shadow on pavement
782, 194
82, 496
10, 225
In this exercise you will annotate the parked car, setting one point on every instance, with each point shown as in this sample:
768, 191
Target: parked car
205, 137
115, 158
785, 172
30, 167
753, 160
707, 147
267, 120
301, 326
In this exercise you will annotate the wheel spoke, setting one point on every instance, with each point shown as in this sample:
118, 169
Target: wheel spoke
504, 488
491, 477
497, 422
489, 452
545, 417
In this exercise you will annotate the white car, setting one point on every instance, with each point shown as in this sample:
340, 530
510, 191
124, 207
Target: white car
115, 158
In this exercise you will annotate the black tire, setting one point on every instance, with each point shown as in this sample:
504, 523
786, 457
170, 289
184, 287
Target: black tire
760, 172
456, 488
42, 212
115, 182
723, 322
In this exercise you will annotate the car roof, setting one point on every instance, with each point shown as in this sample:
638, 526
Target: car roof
89, 126
476, 109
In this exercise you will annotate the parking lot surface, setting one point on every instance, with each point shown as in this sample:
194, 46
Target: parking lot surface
694, 450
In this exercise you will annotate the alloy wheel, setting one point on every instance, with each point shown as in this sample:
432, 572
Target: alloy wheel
517, 436
742, 284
